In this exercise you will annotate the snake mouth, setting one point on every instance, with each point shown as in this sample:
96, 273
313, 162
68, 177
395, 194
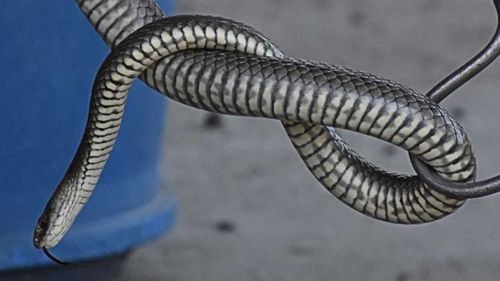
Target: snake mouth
37, 243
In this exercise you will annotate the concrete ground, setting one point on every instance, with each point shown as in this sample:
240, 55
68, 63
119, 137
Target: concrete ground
249, 209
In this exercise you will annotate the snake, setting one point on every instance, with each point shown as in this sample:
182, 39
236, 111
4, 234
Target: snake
224, 66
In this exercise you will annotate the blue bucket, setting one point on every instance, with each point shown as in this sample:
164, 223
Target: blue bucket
49, 58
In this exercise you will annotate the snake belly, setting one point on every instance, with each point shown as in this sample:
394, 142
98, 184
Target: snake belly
240, 72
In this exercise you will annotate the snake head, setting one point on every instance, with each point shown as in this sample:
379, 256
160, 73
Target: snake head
48, 230
40, 232
40, 239
57, 218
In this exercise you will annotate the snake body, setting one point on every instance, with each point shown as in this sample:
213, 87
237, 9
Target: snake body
223, 66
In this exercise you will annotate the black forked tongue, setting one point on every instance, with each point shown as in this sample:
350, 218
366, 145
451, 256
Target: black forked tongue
54, 258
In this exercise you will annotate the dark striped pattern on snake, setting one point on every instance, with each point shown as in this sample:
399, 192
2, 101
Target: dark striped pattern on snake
220, 65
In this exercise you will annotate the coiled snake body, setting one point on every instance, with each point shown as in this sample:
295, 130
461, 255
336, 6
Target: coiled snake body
223, 66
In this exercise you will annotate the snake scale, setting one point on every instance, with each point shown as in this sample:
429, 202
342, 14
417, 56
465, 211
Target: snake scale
220, 65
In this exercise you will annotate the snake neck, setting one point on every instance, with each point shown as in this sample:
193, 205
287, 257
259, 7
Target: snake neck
115, 20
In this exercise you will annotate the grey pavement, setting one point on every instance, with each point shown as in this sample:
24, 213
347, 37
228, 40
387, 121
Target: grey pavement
249, 209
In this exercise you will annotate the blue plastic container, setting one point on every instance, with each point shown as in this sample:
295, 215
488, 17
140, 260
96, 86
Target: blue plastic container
49, 57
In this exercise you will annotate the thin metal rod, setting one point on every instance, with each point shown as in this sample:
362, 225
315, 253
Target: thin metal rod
471, 68
458, 190
442, 90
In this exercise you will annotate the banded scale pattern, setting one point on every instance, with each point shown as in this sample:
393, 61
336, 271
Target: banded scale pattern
237, 84
365, 188
114, 20
313, 93
299, 91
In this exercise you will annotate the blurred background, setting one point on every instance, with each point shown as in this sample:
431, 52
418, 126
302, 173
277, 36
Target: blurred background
248, 207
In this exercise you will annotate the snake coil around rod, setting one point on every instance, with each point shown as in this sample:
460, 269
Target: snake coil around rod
223, 66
